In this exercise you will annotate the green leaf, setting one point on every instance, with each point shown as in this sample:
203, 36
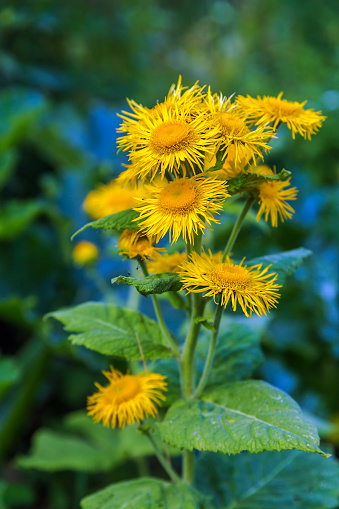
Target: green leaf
20, 109
18, 310
9, 374
111, 330
159, 283
285, 263
243, 416
7, 163
146, 493
250, 181
85, 447
289, 479
16, 216
55, 148
238, 352
117, 222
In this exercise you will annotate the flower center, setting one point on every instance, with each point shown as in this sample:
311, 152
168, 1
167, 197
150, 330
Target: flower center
178, 196
230, 277
171, 136
124, 389
233, 126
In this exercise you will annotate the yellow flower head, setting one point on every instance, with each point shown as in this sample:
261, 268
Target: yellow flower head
133, 243
85, 253
110, 198
232, 130
181, 207
252, 287
166, 263
275, 110
169, 137
274, 197
127, 398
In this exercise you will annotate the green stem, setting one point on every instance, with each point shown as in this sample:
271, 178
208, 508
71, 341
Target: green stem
187, 358
166, 466
188, 466
211, 351
166, 333
236, 228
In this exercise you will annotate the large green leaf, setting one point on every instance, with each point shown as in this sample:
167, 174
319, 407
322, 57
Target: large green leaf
117, 222
85, 447
285, 263
159, 283
146, 493
271, 480
243, 416
112, 330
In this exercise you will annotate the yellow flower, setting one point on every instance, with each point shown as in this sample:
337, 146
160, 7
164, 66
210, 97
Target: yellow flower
252, 287
111, 198
133, 243
232, 130
181, 207
275, 110
166, 263
273, 197
173, 136
127, 398
85, 253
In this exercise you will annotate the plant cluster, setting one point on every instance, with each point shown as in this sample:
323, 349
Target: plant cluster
190, 158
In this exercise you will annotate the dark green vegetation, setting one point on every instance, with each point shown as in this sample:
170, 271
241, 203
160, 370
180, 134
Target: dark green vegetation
65, 68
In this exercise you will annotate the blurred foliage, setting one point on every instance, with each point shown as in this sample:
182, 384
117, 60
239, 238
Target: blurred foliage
65, 69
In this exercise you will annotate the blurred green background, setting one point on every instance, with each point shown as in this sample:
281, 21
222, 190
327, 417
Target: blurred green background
66, 69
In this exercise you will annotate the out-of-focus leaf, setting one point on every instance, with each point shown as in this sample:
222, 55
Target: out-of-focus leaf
292, 479
17, 310
15, 216
145, 493
243, 416
56, 148
159, 283
7, 163
9, 374
20, 111
86, 447
112, 330
117, 222
285, 263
